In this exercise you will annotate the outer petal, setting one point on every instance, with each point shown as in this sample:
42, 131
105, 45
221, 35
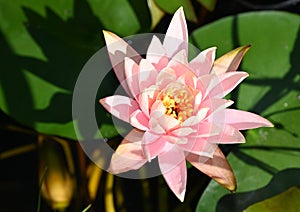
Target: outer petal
230, 61
227, 82
216, 168
218, 86
215, 105
227, 135
242, 120
177, 36
139, 120
199, 146
156, 54
129, 154
203, 63
120, 106
146, 75
152, 145
179, 63
131, 74
118, 49
173, 167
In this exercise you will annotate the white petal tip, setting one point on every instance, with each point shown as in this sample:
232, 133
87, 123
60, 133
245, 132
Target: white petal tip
181, 196
110, 37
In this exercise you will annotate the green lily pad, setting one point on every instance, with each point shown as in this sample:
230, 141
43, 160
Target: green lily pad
208, 4
44, 46
170, 6
286, 201
272, 90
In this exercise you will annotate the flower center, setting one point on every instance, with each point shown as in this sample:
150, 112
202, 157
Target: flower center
178, 101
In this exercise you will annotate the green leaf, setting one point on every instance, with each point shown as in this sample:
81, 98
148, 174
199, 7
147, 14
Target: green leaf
271, 90
286, 201
45, 44
208, 4
170, 6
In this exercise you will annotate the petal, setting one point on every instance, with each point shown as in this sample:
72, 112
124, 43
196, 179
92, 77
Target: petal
147, 98
129, 154
188, 78
131, 74
139, 120
227, 135
173, 167
152, 144
230, 61
206, 83
160, 121
243, 120
120, 106
156, 54
176, 38
227, 82
183, 131
203, 63
146, 75
199, 146
165, 77
216, 108
217, 168
179, 64
118, 49
201, 114
205, 130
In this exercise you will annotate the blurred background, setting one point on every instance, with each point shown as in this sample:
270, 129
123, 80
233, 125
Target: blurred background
45, 44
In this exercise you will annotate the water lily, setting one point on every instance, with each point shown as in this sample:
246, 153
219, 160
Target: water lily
177, 107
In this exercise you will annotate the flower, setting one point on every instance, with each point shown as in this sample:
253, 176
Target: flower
177, 108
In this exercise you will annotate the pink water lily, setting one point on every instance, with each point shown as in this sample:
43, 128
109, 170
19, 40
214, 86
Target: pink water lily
177, 107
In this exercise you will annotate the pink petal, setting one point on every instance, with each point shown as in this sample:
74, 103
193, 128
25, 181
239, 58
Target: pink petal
216, 106
203, 63
197, 100
206, 83
205, 130
131, 74
160, 123
175, 139
183, 131
120, 106
177, 36
179, 64
243, 120
201, 114
152, 145
139, 120
199, 146
129, 154
216, 168
147, 98
173, 167
227, 135
118, 49
156, 54
168, 123
227, 82
188, 78
146, 75
165, 77
230, 61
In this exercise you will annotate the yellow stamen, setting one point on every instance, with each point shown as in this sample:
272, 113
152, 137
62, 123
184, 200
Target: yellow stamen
178, 101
